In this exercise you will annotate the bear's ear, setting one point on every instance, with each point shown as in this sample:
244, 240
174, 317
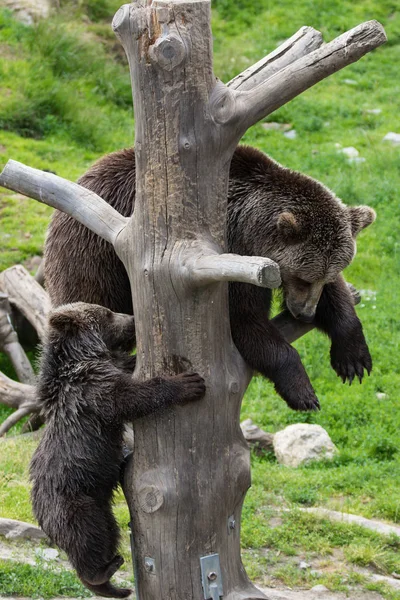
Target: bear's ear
360, 217
288, 227
62, 321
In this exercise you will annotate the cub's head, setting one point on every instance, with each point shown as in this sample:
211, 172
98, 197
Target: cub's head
316, 245
93, 325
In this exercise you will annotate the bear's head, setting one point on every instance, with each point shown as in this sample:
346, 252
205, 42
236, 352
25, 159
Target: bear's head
315, 246
294, 220
91, 326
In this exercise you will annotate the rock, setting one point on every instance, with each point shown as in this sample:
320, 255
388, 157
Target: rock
350, 152
390, 581
47, 554
381, 396
392, 137
372, 524
274, 594
273, 126
290, 135
316, 573
303, 565
319, 588
302, 443
357, 160
13, 530
29, 11
261, 440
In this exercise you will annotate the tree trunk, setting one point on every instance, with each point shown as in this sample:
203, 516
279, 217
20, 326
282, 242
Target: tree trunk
190, 469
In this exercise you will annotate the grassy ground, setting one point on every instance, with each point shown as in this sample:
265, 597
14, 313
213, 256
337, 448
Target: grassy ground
65, 99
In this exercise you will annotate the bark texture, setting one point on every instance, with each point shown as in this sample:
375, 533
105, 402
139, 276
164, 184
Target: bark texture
190, 469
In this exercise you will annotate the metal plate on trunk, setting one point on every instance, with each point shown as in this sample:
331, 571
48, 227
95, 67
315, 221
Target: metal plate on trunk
211, 577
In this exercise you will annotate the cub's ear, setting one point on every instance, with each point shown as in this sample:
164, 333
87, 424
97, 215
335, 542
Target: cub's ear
62, 321
288, 227
360, 217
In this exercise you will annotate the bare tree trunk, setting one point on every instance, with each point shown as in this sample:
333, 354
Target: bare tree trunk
190, 471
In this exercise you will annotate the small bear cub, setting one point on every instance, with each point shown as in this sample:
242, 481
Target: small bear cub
87, 392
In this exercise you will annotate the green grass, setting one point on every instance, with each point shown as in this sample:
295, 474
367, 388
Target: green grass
39, 581
65, 100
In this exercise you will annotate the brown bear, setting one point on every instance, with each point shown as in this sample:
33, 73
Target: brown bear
272, 212
86, 396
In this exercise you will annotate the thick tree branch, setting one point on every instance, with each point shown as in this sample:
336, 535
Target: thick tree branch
14, 418
82, 204
15, 394
301, 43
253, 105
27, 296
232, 267
292, 329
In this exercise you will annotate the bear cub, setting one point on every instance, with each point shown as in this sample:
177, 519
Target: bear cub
273, 212
87, 393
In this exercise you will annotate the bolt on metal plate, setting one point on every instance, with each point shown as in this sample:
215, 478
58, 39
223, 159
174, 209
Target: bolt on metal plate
211, 577
149, 564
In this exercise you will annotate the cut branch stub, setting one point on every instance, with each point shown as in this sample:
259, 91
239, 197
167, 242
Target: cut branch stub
258, 271
168, 52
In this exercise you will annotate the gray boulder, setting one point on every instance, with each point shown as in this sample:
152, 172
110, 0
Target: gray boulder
13, 530
301, 443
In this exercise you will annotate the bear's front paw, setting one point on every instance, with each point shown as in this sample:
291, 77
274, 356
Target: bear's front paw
191, 385
349, 358
299, 396
292, 383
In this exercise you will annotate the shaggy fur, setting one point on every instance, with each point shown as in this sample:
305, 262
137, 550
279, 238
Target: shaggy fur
86, 395
272, 212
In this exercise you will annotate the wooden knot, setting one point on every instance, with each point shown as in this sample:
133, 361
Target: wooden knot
150, 498
222, 104
168, 52
234, 387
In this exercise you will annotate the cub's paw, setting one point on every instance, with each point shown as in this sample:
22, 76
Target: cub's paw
349, 358
192, 386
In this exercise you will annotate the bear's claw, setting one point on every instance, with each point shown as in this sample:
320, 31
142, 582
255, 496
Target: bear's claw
350, 360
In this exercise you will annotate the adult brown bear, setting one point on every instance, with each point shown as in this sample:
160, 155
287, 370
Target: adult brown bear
87, 392
272, 212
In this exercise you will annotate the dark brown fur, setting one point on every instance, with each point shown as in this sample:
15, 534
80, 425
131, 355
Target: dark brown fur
87, 393
272, 212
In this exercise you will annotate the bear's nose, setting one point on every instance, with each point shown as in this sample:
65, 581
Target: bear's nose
306, 318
